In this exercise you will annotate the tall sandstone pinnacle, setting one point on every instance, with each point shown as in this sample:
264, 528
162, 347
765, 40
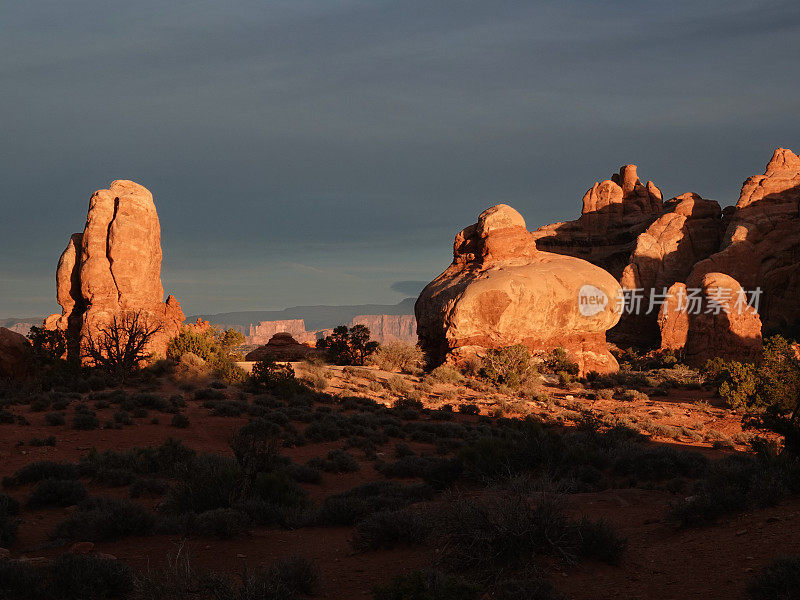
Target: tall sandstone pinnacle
615, 212
113, 268
500, 290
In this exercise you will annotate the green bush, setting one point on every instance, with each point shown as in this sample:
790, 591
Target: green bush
276, 378
558, 361
509, 366
446, 374
348, 346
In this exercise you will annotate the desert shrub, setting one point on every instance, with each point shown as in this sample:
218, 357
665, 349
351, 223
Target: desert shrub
275, 377
779, 580
336, 461
386, 529
8, 530
285, 579
402, 356
104, 520
85, 420
222, 523
634, 395
146, 487
180, 421
324, 430
348, 346
295, 574
558, 361
439, 473
48, 441
303, 473
349, 507
505, 532
509, 366
599, 540
56, 492
68, 577
169, 459
205, 483
40, 470
8, 505
736, 483
213, 347
427, 585
122, 417
397, 385
469, 409
446, 374
408, 403
54, 419
6, 417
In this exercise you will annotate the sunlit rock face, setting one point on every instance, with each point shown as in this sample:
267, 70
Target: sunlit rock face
500, 290
114, 268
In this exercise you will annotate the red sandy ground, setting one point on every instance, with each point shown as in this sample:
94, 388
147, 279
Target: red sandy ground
662, 562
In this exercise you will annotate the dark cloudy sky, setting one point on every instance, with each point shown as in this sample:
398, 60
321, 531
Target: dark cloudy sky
319, 152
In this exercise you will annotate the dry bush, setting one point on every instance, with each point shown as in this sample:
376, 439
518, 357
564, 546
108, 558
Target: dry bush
402, 356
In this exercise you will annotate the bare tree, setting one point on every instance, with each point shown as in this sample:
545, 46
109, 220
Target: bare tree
121, 345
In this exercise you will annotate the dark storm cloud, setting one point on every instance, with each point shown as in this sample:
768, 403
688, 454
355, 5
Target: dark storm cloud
318, 152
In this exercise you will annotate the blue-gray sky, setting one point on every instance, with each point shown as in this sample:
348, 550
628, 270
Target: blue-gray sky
327, 151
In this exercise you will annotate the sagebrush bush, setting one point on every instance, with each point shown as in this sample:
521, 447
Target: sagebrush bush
446, 374
425, 585
386, 529
56, 492
105, 520
399, 356
68, 577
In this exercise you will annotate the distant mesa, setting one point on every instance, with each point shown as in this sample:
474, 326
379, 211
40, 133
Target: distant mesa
501, 290
113, 268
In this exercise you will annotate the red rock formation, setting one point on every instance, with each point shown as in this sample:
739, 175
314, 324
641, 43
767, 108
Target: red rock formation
689, 230
389, 328
615, 212
501, 290
761, 245
720, 324
282, 347
114, 268
15, 355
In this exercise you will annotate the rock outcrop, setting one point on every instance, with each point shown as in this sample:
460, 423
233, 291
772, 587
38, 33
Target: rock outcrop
615, 212
15, 355
113, 268
719, 322
761, 246
688, 230
282, 347
500, 290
